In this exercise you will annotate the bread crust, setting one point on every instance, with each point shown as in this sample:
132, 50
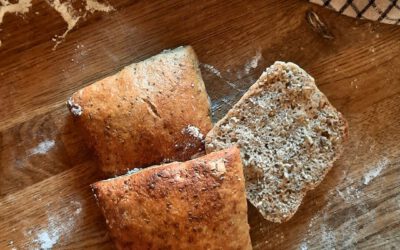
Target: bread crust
140, 115
198, 204
279, 73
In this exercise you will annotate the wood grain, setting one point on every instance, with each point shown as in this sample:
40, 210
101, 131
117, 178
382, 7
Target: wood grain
61, 206
45, 168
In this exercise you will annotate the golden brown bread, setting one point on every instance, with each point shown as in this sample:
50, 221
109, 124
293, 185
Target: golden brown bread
150, 112
198, 204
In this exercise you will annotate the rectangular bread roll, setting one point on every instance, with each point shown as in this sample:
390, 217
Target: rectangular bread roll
198, 204
289, 136
150, 112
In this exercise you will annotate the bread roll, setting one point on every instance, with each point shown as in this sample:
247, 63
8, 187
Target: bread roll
198, 204
150, 112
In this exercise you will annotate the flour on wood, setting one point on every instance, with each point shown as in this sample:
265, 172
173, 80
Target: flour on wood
375, 172
218, 74
212, 69
328, 237
20, 7
70, 15
43, 147
58, 227
350, 194
253, 62
93, 5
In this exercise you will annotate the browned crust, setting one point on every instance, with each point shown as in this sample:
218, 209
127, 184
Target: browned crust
137, 117
198, 204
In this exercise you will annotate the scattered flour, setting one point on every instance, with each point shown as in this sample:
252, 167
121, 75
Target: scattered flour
212, 69
20, 7
350, 194
375, 172
328, 237
193, 131
93, 5
64, 8
78, 207
47, 241
58, 226
353, 83
253, 63
133, 171
218, 74
69, 15
43, 147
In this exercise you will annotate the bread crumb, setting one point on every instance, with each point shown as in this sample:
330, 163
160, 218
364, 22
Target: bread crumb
218, 167
133, 171
74, 108
193, 131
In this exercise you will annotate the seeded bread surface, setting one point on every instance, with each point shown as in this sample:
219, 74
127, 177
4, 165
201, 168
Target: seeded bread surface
150, 112
198, 204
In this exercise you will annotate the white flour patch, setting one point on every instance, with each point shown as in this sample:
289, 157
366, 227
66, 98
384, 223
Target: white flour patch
193, 131
328, 237
349, 233
43, 147
69, 16
64, 8
47, 241
350, 194
93, 5
375, 172
218, 74
253, 63
212, 69
78, 206
20, 7
58, 226
133, 171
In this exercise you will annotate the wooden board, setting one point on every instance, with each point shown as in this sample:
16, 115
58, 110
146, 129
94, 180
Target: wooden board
45, 169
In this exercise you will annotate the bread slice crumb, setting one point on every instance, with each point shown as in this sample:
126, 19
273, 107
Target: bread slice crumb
289, 135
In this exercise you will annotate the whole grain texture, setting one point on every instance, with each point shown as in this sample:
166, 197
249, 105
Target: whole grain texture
147, 113
198, 204
289, 136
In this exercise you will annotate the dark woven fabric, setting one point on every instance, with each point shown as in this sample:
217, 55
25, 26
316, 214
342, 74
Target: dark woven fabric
385, 11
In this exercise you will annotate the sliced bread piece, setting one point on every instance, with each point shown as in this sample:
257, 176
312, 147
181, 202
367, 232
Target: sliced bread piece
198, 204
150, 112
289, 135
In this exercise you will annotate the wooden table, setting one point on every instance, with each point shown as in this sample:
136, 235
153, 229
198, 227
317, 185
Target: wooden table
45, 168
